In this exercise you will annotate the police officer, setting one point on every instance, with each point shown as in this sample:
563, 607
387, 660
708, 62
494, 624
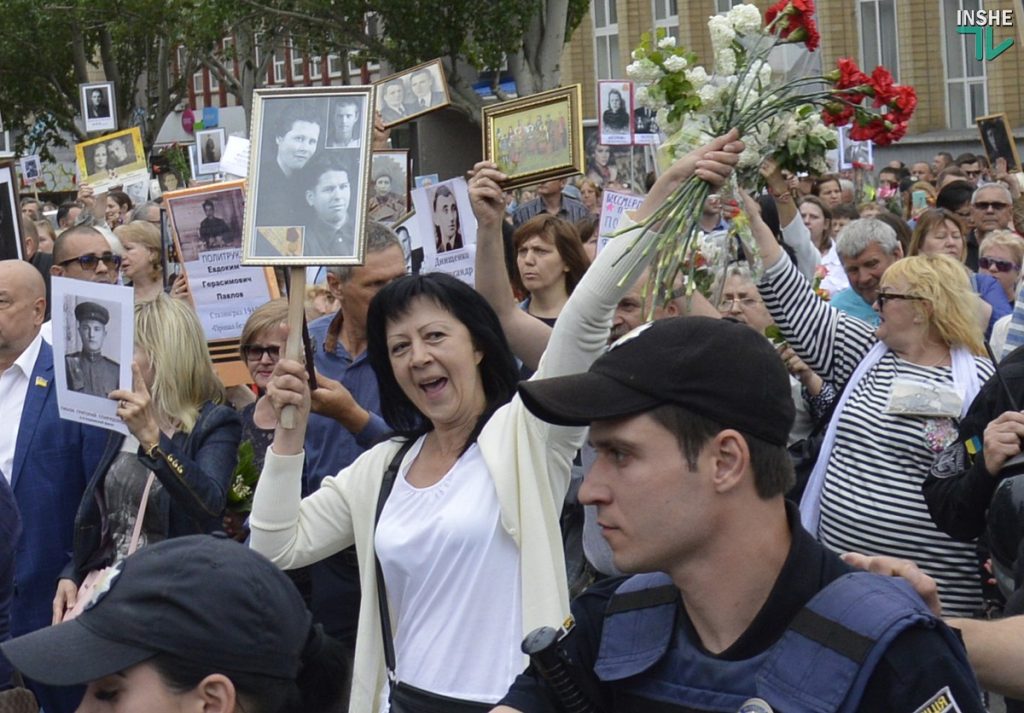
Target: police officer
741, 608
88, 370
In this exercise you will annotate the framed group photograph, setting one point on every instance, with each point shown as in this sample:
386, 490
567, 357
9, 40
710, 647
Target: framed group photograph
997, 138
409, 94
206, 229
112, 160
389, 191
209, 149
537, 138
10, 226
99, 110
309, 175
615, 112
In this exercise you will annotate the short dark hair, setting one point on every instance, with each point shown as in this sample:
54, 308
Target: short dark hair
121, 198
846, 210
324, 163
65, 208
563, 235
296, 111
379, 238
771, 464
966, 157
498, 371
954, 195
60, 245
208, 202
441, 192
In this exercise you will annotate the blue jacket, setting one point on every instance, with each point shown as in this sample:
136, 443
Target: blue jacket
195, 470
52, 462
10, 531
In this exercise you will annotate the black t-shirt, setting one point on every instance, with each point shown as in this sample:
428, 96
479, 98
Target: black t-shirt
916, 667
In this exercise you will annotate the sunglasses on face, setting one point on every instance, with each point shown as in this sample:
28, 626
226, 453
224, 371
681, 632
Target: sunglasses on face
89, 262
989, 263
255, 352
991, 205
884, 297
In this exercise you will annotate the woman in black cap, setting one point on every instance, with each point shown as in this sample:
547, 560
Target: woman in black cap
194, 623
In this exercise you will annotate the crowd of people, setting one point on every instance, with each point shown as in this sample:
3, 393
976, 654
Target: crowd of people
666, 486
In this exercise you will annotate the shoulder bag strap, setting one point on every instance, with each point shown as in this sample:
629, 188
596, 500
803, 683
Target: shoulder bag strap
137, 530
382, 597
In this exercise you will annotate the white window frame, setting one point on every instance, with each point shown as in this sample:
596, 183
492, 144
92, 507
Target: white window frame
724, 6
965, 46
278, 64
315, 66
873, 7
605, 34
664, 18
334, 64
298, 59
197, 82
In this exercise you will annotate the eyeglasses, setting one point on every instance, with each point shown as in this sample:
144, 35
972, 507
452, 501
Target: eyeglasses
89, 262
745, 303
255, 352
991, 205
988, 263
884, 297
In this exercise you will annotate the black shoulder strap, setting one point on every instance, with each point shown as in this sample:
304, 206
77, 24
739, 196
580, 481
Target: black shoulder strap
382, 597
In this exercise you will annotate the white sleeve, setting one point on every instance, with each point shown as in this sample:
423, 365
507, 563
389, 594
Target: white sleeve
797, 236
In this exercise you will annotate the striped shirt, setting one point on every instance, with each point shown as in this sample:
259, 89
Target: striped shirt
871, 500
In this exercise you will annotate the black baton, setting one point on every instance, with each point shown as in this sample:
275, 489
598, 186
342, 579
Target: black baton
541, 645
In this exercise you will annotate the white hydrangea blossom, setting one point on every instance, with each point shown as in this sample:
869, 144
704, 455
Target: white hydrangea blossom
668, 42
722, 34
644, 70
675, 63
708, 96
642, 96
725, 61
697, 76
745, 19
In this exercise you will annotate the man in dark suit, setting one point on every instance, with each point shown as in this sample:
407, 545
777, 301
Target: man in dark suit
330, 230
47, 460
424, 96
392, 102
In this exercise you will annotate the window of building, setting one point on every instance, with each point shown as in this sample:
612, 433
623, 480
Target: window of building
879, 39
334, 65
606, 38
724, 6
298, 61
279, 60
197, 82
966, 93
666, 16
315, 66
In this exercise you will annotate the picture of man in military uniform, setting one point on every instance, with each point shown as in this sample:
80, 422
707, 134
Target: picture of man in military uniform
89, 372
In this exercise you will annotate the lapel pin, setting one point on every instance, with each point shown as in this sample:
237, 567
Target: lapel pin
40, 381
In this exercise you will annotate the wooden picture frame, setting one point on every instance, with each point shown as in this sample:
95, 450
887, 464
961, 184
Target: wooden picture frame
206, 230
308, 177
389, 204
399, 100
997, 139
112, 160
537, 138
10, 211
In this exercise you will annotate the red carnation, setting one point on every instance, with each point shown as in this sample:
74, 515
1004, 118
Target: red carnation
848, 74
836, 114
795, 22
903, 102
881, 81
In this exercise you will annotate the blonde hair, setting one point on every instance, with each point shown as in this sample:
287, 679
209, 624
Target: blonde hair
1005, 239
266, 316
169, 333
145, 234
944, 283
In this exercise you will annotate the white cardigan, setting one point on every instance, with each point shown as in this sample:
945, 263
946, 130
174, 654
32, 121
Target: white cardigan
528, 459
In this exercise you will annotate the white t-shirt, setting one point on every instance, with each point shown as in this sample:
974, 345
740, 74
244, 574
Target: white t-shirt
836, 279
453, 582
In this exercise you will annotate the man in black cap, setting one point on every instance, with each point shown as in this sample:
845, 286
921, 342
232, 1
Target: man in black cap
88, 371
741, 609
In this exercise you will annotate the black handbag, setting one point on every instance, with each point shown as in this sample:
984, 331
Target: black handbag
404, 698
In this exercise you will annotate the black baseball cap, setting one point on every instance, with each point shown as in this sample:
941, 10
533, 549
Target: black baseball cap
717, 368
203, 598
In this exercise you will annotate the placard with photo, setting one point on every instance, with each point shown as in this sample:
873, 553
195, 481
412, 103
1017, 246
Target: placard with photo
112, 160
209, 150
447, 228
309, 174
31, 170
10, 226
99, 110
389, 194
997, 138
93, 348
615, 112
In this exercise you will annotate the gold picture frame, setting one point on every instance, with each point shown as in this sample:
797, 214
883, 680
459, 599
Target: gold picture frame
397, 107
302, 137
997, 139
112, 160
537, 138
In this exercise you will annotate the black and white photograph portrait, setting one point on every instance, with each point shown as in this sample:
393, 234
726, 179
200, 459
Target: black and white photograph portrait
645, 126
998, 141
445, 214
112, 160
389, 187
309, 176
205, 221
616, 112
93, 348
31, 169
343, 125
411, 93
98, 108
209, 149
10, 227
